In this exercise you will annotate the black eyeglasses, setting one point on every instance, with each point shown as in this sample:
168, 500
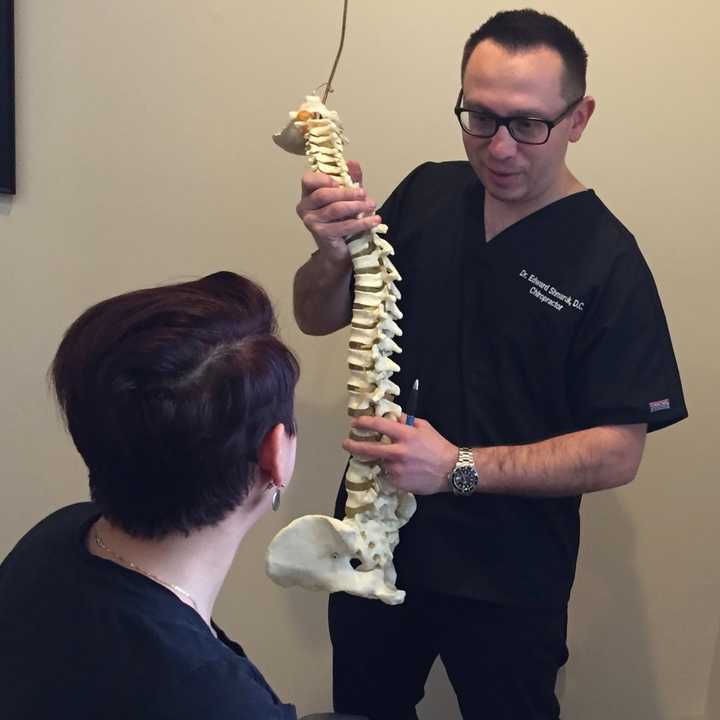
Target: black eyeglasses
527, 130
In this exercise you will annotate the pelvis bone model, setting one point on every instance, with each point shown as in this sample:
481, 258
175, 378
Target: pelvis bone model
354, 555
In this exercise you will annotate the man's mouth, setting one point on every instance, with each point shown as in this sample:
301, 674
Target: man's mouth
503, 173
502, 176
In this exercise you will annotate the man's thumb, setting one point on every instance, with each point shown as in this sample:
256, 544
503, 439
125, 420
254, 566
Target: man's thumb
355, 171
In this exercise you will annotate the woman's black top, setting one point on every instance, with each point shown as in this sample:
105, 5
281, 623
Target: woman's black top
83, 637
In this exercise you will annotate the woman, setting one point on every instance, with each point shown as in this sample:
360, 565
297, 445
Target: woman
180, 401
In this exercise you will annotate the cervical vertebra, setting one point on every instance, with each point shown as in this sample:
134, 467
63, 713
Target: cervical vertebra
315, 551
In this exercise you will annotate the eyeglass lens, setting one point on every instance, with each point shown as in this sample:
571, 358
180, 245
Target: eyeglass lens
522, 129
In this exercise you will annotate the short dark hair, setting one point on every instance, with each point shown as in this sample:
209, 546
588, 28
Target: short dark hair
168, 393
518, 30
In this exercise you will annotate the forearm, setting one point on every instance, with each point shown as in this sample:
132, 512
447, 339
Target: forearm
581, 462
321, 293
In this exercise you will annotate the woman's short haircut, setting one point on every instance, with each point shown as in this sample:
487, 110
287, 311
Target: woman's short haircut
168, 393
520, 30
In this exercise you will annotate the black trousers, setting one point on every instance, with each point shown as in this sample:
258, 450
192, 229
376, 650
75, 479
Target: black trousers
502, 662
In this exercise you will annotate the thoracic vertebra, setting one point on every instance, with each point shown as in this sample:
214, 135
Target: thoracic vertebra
354, 555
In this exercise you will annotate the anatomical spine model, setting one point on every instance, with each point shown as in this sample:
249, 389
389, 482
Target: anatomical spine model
354, 555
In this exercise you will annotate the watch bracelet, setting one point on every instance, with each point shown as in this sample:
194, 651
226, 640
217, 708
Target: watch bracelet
464, 462
465, 456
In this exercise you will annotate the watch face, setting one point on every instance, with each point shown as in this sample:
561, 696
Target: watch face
464, 480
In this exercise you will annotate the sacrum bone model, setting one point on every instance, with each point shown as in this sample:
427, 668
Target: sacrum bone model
354, 555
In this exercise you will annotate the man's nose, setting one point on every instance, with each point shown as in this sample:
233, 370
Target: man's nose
502, 145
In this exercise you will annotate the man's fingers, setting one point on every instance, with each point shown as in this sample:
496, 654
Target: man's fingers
394, 430
342, 230
374, 450
341, 210
333, 212
312, 181
329, 195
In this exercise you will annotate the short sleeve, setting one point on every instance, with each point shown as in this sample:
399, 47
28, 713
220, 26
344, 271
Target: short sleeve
222, 690
622, 367
394, 210
391, 211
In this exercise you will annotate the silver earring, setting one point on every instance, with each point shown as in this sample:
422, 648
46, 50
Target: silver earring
276, 499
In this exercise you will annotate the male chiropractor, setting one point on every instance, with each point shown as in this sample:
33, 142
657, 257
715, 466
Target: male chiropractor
536, 330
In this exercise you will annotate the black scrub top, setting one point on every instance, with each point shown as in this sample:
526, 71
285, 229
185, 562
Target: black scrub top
553, 326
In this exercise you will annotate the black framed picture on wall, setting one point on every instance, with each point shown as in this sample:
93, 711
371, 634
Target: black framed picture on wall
7, 98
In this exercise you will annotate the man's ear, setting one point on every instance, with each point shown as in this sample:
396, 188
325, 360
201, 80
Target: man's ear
581, 117
271, 459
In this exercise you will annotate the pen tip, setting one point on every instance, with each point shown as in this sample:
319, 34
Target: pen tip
416, 384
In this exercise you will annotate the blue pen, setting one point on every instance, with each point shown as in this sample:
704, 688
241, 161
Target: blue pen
412, 403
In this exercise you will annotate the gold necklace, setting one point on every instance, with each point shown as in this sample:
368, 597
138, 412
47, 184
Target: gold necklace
129, 563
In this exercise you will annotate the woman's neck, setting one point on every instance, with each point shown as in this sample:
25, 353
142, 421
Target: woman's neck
194, 567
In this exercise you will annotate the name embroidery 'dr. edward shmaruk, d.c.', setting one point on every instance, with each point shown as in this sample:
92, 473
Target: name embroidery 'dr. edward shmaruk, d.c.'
550, 295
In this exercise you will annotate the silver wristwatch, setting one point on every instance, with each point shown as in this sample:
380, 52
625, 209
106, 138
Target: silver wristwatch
463, 478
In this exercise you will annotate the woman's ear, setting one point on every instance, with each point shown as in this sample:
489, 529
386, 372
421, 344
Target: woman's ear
272, 456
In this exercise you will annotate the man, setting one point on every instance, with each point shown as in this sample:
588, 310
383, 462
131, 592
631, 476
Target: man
536, 330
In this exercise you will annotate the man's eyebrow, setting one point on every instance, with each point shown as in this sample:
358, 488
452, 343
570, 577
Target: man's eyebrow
520, 112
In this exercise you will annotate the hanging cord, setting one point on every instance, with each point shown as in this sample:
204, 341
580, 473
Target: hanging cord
328, 86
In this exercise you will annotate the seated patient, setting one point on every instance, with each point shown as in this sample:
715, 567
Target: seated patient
180, 401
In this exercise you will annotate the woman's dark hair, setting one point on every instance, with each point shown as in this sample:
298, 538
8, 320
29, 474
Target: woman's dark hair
168, 393
519, 30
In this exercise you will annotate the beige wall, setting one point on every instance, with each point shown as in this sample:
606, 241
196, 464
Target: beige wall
145, 156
